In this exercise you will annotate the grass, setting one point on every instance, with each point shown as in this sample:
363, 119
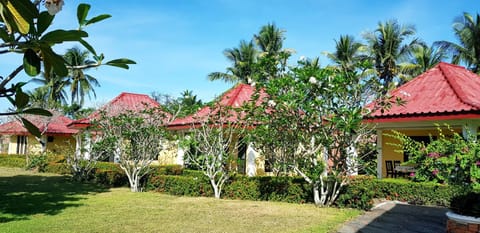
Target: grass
32, 202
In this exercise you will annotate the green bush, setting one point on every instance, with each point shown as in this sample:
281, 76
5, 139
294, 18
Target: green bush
110, 178
37, 162
173, 170
179, 185
466, 204
12, 161
59, 168
361, 191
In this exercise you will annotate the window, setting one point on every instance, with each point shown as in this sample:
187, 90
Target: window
50, 139
21, 145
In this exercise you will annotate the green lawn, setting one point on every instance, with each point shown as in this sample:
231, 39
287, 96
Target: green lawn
32, 202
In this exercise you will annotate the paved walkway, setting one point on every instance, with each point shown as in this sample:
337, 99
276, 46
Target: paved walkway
396, 217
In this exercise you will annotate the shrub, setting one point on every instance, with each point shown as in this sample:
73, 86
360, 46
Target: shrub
361, 191
37, 162
12, 160
59, 168
110, 178
173, 170
180, 185
466, 204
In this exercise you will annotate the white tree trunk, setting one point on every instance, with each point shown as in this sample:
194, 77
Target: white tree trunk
216, 188
251, 165
316, 195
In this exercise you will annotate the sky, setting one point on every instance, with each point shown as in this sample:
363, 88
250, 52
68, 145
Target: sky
177, 43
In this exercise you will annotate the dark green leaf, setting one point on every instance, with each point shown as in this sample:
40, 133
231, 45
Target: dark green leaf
31, 127
37, 111
82, 12
31, 63
122, 63
51, 59
44, 21
88, 46
97, 19
59, 36
4, 35
21, 99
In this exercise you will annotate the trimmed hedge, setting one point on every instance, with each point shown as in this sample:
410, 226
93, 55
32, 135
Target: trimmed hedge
362, 190
13, 161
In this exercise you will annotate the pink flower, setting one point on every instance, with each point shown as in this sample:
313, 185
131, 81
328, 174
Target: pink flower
478, 163
412, 174
435, 172
434, 155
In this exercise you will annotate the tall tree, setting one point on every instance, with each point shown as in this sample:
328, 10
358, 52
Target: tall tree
387, 45
348, 52
467, 31
242, 59
81, 83
270, 39
422, 58
53, 87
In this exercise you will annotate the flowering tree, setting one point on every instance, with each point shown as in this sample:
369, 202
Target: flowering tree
24, 30
135, 138
310, 124
211, 145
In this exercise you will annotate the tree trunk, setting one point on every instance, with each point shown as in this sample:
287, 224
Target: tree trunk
216, 189
316, 195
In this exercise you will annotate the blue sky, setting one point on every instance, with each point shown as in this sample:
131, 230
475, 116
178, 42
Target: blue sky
176, 43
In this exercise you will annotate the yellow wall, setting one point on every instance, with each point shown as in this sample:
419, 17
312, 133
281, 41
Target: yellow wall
59, 145
391, 152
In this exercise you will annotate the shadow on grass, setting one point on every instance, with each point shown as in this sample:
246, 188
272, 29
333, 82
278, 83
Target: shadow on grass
22, 196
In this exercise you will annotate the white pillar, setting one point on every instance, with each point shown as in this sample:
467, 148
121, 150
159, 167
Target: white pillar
180, 160
250, 160
78, 145
379, 154
88, 145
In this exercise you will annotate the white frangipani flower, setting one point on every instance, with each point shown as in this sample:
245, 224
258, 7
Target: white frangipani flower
53, 6
271, 103
312, 80
302, 58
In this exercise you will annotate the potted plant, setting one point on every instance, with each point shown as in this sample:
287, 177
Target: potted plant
465, 213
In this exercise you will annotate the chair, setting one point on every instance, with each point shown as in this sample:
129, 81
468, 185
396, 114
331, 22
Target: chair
390, 169
396, 163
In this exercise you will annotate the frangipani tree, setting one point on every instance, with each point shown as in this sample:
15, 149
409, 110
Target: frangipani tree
310, 124
24, 30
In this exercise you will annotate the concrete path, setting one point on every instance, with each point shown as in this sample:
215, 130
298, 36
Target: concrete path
396, 217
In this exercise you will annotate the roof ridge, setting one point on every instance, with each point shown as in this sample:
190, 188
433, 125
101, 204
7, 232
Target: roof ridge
453, 83
237, 90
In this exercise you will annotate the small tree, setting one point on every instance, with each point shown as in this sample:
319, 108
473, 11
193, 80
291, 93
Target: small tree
212, 142
135, 138
311, 123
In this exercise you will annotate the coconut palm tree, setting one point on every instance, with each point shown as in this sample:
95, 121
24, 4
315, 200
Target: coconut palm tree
467, 51
270, 39
243, 59
387, 46
51, 92
422, 58
348, 53
273, 57
81, 83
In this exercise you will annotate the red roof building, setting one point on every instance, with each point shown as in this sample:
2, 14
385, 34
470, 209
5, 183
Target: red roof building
444, 92
55, 125
233, 98
445, 95
122, 103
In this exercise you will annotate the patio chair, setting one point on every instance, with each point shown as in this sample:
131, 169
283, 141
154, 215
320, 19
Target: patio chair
396, 163
390, 169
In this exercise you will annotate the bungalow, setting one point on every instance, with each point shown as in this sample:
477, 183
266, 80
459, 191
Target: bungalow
248, 161
55, 133
446, 94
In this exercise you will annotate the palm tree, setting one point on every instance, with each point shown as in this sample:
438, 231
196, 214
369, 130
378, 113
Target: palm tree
348, 53
467, 31
243, 59
387, 47
270, 39
52, 90
81, 84
421, 59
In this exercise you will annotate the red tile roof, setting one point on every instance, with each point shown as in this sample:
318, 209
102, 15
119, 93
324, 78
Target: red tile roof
445, 89
233, 98
55, 125
123, 102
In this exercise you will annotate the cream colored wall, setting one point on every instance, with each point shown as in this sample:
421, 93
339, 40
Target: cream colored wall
168, 155
392, 152
58, 146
